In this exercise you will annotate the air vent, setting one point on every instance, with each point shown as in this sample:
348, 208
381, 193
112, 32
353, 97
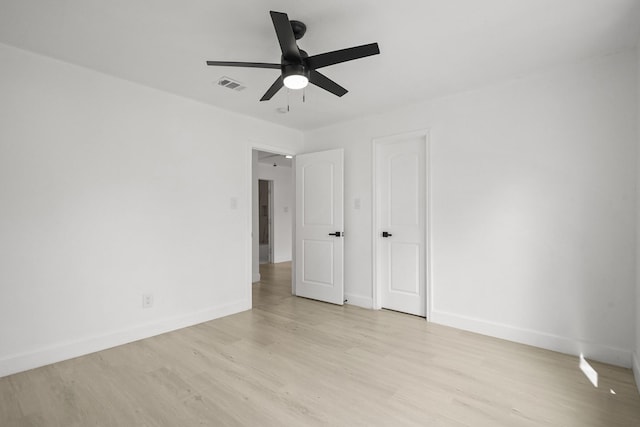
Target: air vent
231, 84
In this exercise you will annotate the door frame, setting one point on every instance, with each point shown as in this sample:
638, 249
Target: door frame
375, 143
248, 198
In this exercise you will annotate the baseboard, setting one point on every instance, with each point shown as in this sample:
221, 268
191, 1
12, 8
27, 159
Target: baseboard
636, 369
69, 350
365, 302
256, 278
590, 350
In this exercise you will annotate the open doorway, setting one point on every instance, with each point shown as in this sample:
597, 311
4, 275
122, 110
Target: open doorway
272, 225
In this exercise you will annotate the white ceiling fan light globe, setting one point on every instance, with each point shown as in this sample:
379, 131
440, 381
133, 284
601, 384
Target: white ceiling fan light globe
296, 81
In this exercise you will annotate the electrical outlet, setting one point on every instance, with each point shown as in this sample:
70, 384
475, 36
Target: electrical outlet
147, 300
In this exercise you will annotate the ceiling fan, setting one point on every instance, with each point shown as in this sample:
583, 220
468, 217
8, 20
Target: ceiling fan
296, 67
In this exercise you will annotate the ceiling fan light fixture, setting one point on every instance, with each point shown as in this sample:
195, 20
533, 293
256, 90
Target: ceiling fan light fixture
296, 76
296, 81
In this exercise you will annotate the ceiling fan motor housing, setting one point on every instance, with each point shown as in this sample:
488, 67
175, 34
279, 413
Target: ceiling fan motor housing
290, 69
295, 71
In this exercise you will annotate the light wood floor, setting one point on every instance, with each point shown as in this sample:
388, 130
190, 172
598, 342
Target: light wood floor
296, 362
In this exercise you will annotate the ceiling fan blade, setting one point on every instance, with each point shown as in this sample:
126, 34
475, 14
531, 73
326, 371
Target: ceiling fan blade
275, 87
285, 35
243, 64
342, 55
326, 83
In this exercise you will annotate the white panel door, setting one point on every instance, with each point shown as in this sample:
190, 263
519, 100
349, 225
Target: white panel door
401, 222
319, 226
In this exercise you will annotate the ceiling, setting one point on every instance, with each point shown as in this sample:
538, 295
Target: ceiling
428, 48
276, 160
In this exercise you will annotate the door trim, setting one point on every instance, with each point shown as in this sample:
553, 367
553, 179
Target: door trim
375, 143
248, 199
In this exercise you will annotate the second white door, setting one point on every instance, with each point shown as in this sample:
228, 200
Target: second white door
401, 223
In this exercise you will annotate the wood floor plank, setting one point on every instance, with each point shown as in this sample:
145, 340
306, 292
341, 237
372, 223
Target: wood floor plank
297, 362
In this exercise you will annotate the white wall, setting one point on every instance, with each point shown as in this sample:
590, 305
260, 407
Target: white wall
109, 190
532, 206
283, 198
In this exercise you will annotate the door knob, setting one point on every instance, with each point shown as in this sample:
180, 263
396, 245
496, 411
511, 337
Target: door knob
337, 234
386, 234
